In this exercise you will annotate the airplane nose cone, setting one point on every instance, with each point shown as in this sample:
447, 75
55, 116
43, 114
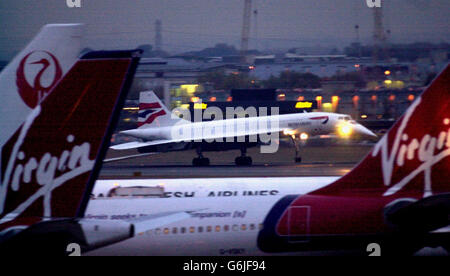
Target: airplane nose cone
362, 130
132, 132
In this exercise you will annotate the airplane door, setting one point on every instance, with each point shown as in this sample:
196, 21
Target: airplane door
298, 223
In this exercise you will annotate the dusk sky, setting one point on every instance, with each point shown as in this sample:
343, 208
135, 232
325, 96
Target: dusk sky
196, 24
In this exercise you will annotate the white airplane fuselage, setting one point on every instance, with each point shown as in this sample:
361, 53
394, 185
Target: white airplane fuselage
226, 217
312, 124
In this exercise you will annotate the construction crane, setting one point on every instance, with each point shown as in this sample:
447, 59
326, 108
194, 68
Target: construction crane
379, 37
246, 27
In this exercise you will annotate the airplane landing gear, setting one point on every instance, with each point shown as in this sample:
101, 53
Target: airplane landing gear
243, 160
296, 140
200, 161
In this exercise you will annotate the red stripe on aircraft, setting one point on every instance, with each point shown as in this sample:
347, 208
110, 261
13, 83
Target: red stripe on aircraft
152, 117
149, 105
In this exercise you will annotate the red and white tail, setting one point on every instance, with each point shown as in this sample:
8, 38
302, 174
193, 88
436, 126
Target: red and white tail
153, 113
413, 158
49, 164
32, 74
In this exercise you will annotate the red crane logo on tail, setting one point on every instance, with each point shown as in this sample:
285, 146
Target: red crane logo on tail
46, 71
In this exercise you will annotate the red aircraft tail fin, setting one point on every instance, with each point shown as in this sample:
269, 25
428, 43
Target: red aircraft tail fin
50, 164
413, 158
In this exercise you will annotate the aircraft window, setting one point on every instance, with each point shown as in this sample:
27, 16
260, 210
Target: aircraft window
218, 228
166, 231
243, 227
208, 228
100, 195
346, 118
226, 228
235, 227
252, 226
183, 230
157, 231
191, 229
174, 230
200, 229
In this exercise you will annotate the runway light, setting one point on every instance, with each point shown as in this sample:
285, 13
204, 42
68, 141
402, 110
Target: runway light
195, 99
387, 72
304, 136
410, 97
282, 97
213, 99
364, 116
345, 130
229, 99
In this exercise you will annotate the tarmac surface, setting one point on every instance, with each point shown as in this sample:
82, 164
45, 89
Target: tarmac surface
317, 160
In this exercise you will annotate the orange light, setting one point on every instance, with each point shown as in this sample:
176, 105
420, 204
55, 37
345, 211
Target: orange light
373, 98
195, 99
212, 99
334, 102
411, 97
251, 67
282, 97
229, 99
300, 98
355, 100
392, 98
319, 102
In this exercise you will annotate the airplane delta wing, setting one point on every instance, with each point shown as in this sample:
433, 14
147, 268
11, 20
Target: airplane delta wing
398, 196
192, 137
50, 163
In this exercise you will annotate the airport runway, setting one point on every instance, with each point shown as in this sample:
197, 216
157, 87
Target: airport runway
317, 161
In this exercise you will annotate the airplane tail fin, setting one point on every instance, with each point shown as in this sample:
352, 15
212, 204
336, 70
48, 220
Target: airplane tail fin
413, 158
153, 113
49, 165
32, 74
